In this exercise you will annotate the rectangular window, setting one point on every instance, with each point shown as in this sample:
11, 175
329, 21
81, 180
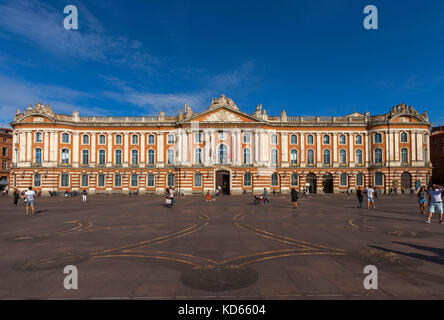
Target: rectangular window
198, 137
247, 138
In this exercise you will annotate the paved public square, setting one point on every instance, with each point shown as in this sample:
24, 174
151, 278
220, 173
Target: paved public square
133, 247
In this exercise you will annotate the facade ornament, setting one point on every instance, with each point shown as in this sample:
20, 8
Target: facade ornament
180, 115
223, 101
283, 116
188, 111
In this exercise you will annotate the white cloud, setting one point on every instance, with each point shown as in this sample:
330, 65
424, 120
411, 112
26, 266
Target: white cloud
42, 25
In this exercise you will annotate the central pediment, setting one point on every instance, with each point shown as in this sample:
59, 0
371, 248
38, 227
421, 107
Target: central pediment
222, 116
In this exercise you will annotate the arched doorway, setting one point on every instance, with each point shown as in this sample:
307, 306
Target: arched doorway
327, 183
406, 181
223, 181
311, 182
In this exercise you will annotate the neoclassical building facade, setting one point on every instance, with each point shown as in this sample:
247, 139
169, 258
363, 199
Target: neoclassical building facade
221, 146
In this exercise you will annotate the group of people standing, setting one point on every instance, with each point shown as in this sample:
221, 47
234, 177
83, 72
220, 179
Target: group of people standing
431, 196
28, 197
371, 195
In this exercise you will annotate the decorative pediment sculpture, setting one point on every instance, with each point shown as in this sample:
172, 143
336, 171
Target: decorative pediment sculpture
403, 109
222, 101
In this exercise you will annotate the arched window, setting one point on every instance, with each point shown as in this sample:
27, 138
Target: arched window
102, 155
170, 180
404, 155
247, 156
151, 157
85, 139
326, 139
134, 157
37, 180
310, 156
84, 180
359, 179
378, 156
294, 180
274, 138
342, 157
102, 139
64, 180
294, 156
64, 155
38, 137
378, 138
379, 180
117, 180
198, 180
85, 157
118, 139
343, 179
274, 157
151, 139
38, 156
118, 157
342, 139
65, 138
275, 180
358, 156
310, 139
404, 137
247, 180
170, 138
293, 139
326, 156
170, 156
247, 138
358, 139
134, 139
150, 180
198, 155
222, 154
134, 182
101, 180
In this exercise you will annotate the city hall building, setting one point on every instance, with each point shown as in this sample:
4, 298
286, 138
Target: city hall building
221, 146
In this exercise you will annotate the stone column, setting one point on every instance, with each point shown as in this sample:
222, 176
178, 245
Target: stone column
46, 144
302, 141
390, 148
93, 149
318, 149
125, 149
179, 147
142, 150
351, 157
75, 149
397, 146
29, 147
413, 144
110, 150
185, 155
22, 146
367, 149
256, 148
419, 144
284, 149
335, 149
160, 149
239, 147
206, 156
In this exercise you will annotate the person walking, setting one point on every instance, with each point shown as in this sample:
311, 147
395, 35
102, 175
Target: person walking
360, 196
435, 201
294, 198
208, 196
217, 192
84, 194
173, 202
29, 197
266, 197
422, 200
16, 195
370, 192
412, 192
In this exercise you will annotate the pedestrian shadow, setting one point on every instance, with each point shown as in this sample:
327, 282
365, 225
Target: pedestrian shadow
41, 211
438, 258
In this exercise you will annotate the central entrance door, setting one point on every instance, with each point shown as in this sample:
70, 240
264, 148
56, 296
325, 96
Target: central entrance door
223, 181
327, 183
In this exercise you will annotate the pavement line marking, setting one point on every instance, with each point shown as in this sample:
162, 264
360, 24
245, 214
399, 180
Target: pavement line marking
147, 241
291, 254
179, 254
149, 257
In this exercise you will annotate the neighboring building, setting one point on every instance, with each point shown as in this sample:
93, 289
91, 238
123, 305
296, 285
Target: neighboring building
221, 146
437, 156
5, 156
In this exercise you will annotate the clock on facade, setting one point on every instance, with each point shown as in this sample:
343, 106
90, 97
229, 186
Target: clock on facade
222, 136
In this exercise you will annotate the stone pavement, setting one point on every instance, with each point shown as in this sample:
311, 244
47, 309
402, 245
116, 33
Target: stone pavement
134, 247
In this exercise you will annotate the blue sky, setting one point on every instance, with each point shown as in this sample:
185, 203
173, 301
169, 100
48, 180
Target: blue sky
138, 57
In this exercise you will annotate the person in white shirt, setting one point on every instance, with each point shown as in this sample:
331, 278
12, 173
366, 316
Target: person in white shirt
29, 197
370, 192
